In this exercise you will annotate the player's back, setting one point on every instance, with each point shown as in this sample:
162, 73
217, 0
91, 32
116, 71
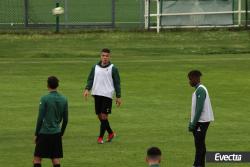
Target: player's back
55, 106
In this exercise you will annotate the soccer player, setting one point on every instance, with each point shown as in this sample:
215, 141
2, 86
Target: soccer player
104, 80
201, 116
53, 110
153, 157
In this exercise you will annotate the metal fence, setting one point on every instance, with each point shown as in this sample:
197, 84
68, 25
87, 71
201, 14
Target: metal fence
78, 14
124, 14
196, 13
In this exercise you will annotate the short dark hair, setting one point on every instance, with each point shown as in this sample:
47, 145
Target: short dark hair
154, 152
53, 82
106, 50
195, 73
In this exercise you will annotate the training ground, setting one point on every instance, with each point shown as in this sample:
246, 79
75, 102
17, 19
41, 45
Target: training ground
155, 92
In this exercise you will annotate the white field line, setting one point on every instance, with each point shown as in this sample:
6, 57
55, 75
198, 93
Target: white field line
58, 61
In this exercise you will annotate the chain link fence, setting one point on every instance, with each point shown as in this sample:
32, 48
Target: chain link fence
119, 14
116, 14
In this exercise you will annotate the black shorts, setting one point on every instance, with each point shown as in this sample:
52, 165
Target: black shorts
102, 105
49, 146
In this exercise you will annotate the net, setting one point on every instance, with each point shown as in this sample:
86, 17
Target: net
11, 12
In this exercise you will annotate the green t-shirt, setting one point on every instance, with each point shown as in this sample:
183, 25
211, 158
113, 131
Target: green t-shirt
53, 110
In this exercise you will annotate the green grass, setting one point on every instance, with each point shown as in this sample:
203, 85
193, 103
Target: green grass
155, 90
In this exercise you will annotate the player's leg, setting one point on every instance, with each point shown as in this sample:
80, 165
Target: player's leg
37, 161
56, 149
39, 150
104, 109
98, 105
204, 127
103, 118
56, 162
199, 147
98, 109
110, 131
107, 110
108, 127
105, 126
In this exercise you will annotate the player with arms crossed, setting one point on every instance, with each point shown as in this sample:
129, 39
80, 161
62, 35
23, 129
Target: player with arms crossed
103, 81
53, 110
201, 116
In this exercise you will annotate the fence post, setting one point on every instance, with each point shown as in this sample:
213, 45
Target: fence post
113, 13
239, 13
26, 13
141, 13
146, 14
246, 13
57, 19
158, 16
66, 13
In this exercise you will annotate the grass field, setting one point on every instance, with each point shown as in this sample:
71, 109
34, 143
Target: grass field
155, 91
